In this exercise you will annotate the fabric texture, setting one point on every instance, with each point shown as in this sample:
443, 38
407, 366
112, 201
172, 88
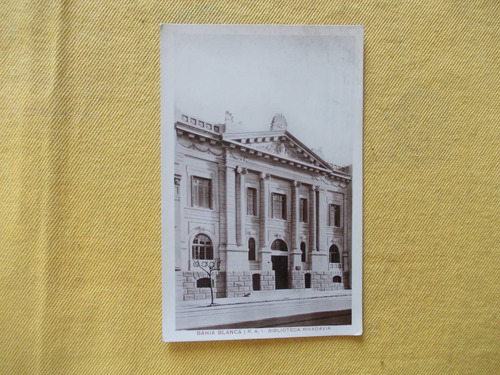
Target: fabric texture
80, 231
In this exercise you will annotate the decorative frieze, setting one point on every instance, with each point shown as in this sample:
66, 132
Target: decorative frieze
334, 181
201, 148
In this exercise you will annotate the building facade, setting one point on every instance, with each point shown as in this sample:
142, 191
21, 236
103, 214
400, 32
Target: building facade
272, 211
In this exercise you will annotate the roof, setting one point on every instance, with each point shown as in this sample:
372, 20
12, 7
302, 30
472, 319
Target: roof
273, 144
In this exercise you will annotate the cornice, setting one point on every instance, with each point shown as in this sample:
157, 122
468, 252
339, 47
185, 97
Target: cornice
197, 134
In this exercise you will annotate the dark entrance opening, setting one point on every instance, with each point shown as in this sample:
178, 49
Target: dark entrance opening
307, 280
256, 281
280, 268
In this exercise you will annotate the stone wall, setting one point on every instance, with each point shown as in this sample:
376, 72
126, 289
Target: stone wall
187, 282
296, 280
179, 290
324, 281
267, 280
238, 283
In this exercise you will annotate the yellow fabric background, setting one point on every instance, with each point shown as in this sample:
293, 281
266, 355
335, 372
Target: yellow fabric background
80, 190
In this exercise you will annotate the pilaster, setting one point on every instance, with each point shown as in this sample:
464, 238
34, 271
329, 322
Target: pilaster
230, 206
312, 219
179, 221
319, 261
347, 255
240, 230
321, 220
295, 254
235, 255
265, 252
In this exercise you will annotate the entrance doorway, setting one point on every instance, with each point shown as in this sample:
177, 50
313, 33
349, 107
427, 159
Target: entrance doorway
307, 280
256, 281
280, 268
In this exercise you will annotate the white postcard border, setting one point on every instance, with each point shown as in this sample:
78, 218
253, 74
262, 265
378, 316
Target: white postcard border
169, 333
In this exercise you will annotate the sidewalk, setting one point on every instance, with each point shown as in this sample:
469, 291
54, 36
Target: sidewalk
264, 296
260, 306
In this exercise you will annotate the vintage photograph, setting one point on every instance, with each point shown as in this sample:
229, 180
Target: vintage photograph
261, 181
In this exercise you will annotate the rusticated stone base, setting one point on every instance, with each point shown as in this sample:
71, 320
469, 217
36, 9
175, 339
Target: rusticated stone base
188, 283
179, 290
296, 280
262, 280
267, 280
345, 279
238, 283
326, 281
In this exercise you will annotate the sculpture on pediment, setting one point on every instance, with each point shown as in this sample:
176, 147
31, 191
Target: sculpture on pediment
318, 151
278, 122
230, 122
229, 119
279, 148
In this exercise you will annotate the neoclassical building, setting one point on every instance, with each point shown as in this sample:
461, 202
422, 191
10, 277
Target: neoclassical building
273, 211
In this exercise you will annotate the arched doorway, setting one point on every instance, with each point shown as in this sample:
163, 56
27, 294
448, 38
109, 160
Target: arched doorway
280, 264
279, 245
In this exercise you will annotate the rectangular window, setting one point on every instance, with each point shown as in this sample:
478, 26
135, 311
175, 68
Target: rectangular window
279, 206
303, 210
334, 215
201, 192
251, 202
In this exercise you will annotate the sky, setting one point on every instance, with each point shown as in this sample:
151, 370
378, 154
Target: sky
308, 79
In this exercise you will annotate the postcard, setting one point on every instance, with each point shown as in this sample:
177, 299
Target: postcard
261, 138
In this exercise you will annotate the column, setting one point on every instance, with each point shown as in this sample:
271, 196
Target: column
265, 252
312, 219
321, 220
296, 254
295, 214
230, 207
236, 257
221, 181
319, 258
238, 277
240, 231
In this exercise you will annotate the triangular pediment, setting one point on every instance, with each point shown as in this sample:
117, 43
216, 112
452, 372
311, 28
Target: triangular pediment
281, 144
282, 148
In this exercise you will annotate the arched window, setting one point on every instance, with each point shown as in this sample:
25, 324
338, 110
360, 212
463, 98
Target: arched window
251, 249
334, 254
203, 283
303, 250
337, 279
202, 247
279, 245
